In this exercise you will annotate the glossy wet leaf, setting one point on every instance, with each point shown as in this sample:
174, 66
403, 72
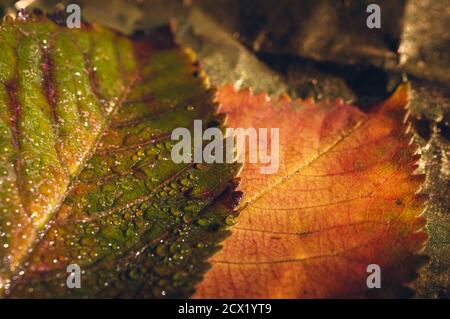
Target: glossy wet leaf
86, 173
205, 26
345, 197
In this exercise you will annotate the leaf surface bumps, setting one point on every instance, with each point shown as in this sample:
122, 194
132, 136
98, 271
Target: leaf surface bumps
86, 171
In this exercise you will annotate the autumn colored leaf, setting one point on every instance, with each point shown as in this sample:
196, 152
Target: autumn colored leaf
86, 175
345, 197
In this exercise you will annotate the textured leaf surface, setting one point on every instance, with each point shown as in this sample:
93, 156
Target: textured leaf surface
86, 174
345, 196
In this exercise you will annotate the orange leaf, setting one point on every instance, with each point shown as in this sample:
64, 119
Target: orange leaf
345, 196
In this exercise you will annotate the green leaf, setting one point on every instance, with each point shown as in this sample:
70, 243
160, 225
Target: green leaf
86, 174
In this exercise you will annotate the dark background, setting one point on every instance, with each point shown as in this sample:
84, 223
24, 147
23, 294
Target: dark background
323, 49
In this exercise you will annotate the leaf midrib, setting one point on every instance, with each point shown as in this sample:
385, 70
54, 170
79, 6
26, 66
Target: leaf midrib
287, 177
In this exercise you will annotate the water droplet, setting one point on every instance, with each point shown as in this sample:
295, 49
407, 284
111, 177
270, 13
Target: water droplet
176, 212
202, 222
161, 250
230, 220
